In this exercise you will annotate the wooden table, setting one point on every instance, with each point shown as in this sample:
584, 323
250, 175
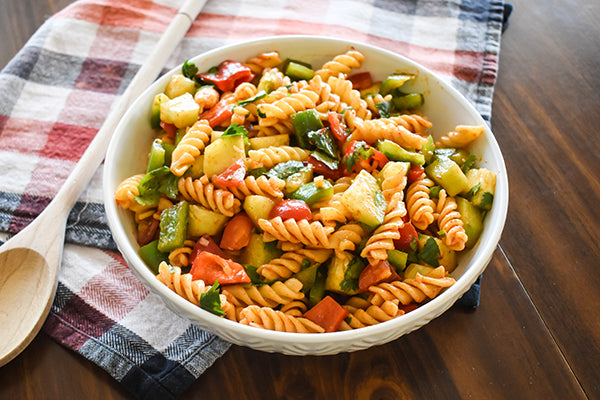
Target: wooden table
537, 332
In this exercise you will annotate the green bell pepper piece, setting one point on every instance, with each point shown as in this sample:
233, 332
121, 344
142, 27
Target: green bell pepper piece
173, 227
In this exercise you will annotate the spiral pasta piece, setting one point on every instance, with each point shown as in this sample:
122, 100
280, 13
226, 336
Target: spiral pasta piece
346, 238
372, 315
127, 191
286, 106
393, 179
270, 156
415, 290
413, 122
295, 308
327, 100
263, 186
182, 284
383, 128
180, 256
419, 204
259, 63
267, 318
375, 99
332, 210
190, 147
343, 88
461, 136
290, 263
276, 294
449, 221
341, 64
383, 237
308, 233
203, 192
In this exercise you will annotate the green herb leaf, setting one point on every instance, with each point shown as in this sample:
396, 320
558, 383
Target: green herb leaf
468, 164
157, 182
286, 169
323, 140
429, 253
350, 282
256, 172
474, 190
234, 130
331, 163
384, 108
486, 200
189, 70
362, 151
261, 113
261, 94
211, 302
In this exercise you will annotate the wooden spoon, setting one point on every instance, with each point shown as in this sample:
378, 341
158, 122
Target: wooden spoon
29, 261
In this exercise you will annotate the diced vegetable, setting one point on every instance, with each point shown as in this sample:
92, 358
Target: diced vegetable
395, 152
310, 193
428, 149
411, 271
317, 291
298, 72
365, 200
361, 80
337, 128
343, 274
294, 181
155, 183
181, 111
258, 207
229, 75
327, 313
414, 173
205, 243
482, 184
408, 234
218, 114
304, 122
374, 274
178, 85
448, 175
360, 155
211, 268
222, 153
472, 220
398, 259
203, 221
394, 82
259, 252
295, 209
155, 114
408, 101
307, 276
233, 176
152, 256
237, 232
157, 155
173, 227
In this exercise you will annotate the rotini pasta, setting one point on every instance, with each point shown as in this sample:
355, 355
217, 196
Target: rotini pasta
282, 193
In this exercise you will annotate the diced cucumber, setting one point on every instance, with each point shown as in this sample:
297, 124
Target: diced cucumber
482, 184
196, 170
178, 85
428, 149
365, 200
203, 221
222, 153
307, 277
370, 91
411, 271
297, 179
155, 114
398, 259
157, 156
181, 111
298, 71
259, 252
343, 273
394, 82
459, 156
472, 220
408, 101
317, 291
258, 207
448, 175
393, 151
445, 255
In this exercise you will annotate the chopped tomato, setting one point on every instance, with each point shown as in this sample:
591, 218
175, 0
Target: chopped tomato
169, 128
229, 75
336, 126
361, 80
237, 232
295, 209
320, 168
376, 273
205, 243
408, 233
327, 313
233, 176
217, 114
415, 172
211, 268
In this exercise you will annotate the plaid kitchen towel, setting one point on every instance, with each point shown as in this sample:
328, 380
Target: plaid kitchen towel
59, 88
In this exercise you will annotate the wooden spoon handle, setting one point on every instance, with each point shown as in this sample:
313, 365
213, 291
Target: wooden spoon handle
94, 154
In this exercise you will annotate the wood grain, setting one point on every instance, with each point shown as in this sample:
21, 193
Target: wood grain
536, 333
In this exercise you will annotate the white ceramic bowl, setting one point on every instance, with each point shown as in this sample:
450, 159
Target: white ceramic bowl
444, 106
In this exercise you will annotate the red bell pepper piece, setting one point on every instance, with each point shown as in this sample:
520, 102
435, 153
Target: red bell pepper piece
360, 155
233, 176
218, 114
229, 75
376, 273
170, 129
320, 168
414, 173
361, 80
338, 130
211, 268
205, 243
295, 209
327, 313
408, 233
237, 232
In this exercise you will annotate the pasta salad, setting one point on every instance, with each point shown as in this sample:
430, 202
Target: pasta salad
297, 198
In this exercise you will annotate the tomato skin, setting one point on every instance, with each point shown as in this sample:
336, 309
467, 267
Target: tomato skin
361, 80
408, 233
376, 273
327, 313
295, 209
321, 169
338, 130
217, 114
237, 232
415, 172
205, 243
210, 268
233, 176
170, 129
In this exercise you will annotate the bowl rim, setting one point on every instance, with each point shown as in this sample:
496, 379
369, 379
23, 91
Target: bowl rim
424, 313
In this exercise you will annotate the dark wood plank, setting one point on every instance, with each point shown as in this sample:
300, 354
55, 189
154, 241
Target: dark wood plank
20, 19
546, 114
